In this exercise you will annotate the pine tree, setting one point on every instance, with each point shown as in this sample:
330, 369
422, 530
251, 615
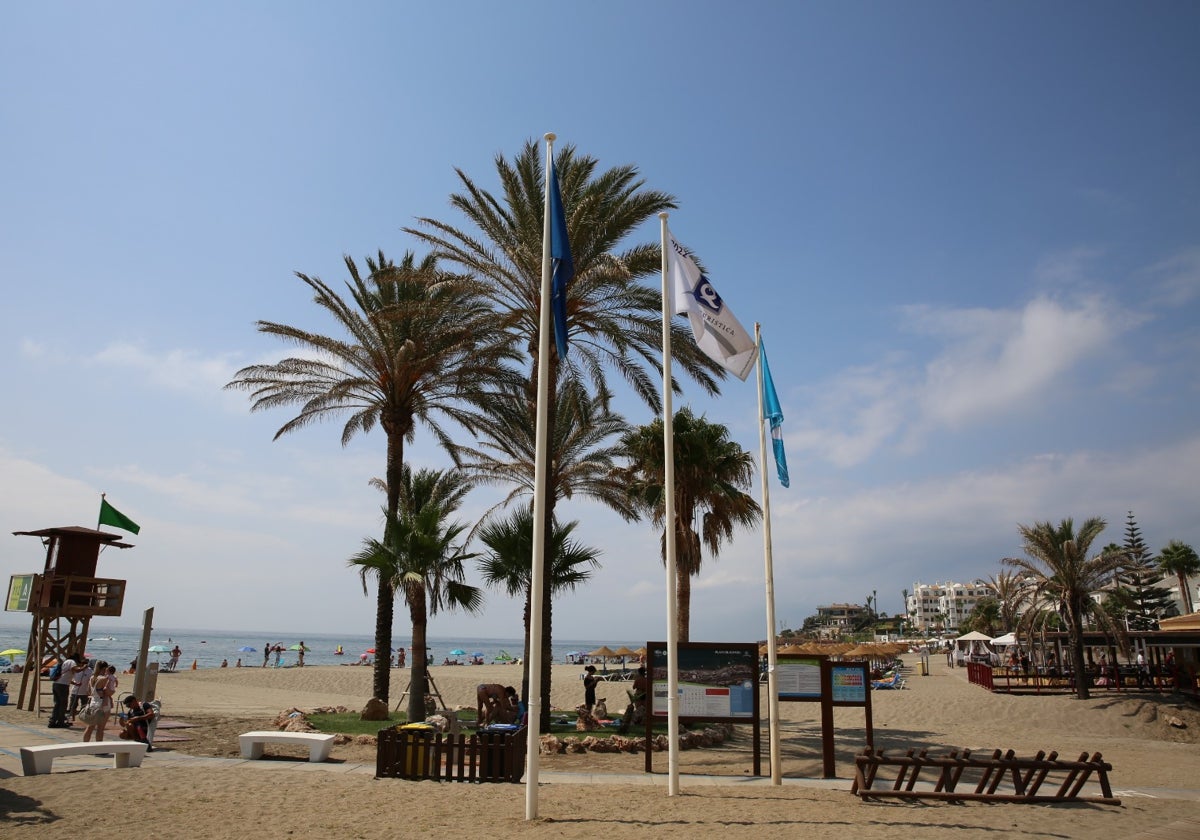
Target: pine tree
1148, 602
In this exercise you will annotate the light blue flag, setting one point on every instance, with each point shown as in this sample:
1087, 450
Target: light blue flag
772, 412
563, 265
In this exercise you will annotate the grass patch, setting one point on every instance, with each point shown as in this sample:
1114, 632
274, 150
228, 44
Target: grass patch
349, 723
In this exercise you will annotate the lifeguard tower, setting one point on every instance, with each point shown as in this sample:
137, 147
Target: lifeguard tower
62, 599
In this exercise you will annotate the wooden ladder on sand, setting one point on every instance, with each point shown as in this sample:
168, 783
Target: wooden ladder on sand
1002, 777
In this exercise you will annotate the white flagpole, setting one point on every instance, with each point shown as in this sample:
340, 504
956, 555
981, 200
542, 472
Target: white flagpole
669, 534
533, 700
772, 677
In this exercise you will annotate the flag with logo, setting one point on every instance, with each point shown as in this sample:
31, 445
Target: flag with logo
109, 515
718, 332
773, 413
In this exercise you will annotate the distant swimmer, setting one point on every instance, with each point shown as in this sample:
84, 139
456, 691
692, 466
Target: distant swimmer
339, 651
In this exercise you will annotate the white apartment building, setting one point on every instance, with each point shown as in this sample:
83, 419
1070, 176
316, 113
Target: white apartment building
944, 606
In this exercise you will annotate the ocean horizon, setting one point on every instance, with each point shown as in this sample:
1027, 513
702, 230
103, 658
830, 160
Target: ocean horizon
118, 644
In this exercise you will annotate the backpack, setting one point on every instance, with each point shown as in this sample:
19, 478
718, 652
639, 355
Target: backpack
56, 671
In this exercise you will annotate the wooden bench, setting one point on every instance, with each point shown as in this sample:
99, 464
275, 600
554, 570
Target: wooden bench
36, 760
318, 745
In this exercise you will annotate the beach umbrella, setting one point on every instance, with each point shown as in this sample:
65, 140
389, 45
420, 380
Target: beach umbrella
369, 650
624, 651
245, 649
158, 649
603, 650
299, 647
12, 652
458, 652
478, 654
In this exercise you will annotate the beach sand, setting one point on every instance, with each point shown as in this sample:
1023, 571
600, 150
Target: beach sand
1156, 770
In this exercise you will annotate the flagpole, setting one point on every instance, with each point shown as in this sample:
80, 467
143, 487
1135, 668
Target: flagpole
533, 699
102, 495
769, 574
669, 534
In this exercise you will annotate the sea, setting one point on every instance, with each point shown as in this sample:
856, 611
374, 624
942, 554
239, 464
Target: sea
209, 648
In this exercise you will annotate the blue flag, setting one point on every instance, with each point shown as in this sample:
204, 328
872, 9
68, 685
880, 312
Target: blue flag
772, 412
563, 265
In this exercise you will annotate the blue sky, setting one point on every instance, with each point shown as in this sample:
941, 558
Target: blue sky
971, 233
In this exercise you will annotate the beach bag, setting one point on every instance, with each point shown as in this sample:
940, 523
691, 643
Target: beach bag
90, 713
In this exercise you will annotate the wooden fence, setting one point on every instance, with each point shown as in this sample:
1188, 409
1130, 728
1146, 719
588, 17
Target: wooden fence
998, 777
483, 757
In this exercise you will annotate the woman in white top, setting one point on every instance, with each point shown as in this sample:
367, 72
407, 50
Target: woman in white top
103, 688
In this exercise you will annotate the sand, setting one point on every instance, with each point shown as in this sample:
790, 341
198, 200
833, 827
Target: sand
1156, 770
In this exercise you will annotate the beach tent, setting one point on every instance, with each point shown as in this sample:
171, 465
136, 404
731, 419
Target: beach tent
1005, 640
973, 642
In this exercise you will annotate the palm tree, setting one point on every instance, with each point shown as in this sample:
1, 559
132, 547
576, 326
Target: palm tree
583, 465
1012, 594
710, 472
613, 320
1062, 576
419, 344
1180, 559
508, 565
421, 560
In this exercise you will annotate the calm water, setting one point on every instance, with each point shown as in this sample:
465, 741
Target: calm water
208, 648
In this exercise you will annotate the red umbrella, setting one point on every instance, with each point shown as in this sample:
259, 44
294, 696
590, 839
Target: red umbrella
370, 650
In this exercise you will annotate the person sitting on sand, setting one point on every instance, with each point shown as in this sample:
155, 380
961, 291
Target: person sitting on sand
635, 712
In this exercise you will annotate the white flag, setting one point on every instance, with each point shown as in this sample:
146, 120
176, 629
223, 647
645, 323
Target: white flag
718, 332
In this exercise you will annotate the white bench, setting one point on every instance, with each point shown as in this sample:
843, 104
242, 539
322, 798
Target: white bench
318, 745
35, 760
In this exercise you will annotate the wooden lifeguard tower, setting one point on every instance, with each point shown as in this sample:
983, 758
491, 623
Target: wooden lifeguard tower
62, 599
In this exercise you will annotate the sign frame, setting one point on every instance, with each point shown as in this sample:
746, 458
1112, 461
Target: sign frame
700, 657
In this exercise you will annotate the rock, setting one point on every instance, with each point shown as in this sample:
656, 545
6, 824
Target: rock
1176, 722
375, 709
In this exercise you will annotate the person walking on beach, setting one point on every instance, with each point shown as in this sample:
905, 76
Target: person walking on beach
175, 654
278, 653
300, 655
266, 654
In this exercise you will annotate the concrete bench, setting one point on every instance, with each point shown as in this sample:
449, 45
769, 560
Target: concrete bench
318, 745
36, 760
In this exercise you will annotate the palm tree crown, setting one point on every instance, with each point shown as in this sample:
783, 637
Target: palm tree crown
1180, 559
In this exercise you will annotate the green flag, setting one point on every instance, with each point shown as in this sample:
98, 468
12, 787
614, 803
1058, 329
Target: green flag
109, 515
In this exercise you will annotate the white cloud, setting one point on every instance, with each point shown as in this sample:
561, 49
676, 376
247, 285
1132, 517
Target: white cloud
987, 364
178, 370
996, 362
1175, 281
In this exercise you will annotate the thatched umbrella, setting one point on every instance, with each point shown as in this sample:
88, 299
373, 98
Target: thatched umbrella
604, 652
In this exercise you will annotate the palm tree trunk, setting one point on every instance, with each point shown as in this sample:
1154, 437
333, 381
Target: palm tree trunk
382, 676
1075, 623
1185, 595
420, 659
385, 600
683, 594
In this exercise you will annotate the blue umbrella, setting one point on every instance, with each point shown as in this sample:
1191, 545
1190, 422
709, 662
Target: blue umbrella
458, 652
245, 649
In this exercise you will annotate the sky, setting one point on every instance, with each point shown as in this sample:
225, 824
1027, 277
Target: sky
971, 233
